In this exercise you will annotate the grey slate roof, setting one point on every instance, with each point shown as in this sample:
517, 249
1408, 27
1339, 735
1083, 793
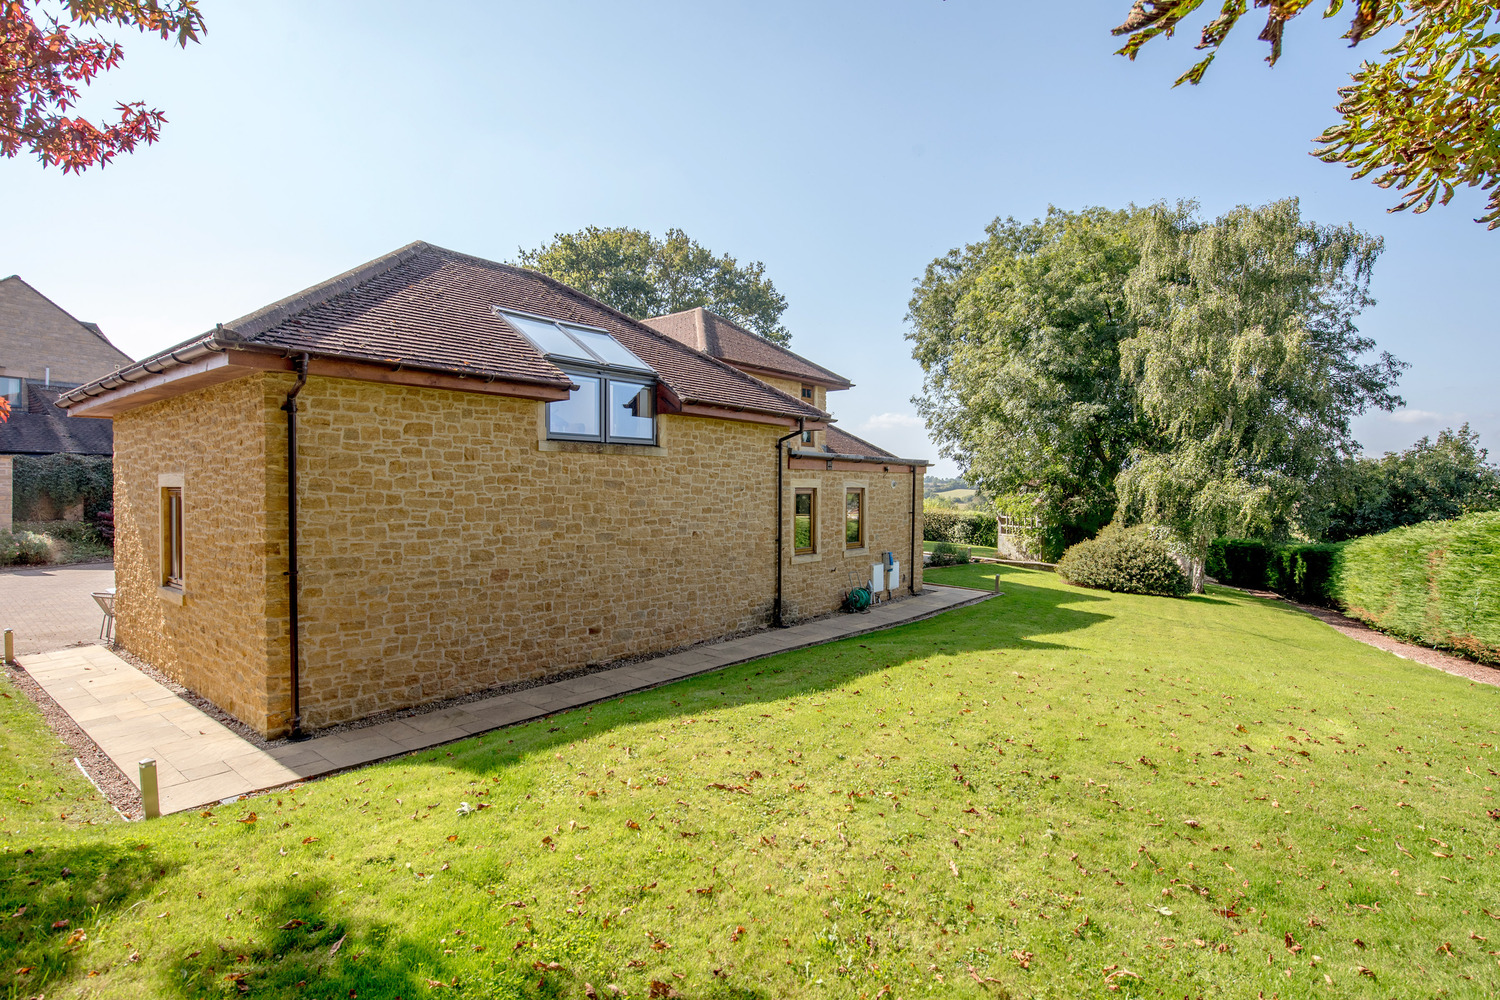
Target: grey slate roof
43, 429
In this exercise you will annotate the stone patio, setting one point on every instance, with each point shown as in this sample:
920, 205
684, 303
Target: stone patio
200, 761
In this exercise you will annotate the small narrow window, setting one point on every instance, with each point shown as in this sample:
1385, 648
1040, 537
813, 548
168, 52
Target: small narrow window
807, 437
171, 537
854, 519
807, 392
805, 522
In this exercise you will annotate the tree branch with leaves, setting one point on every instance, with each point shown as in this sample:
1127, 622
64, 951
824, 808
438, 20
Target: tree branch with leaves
45, 64
1424, 119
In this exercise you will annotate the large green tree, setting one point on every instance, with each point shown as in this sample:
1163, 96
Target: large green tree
1430, 481
1019, 340
642, 276
1423, 117
1248, 366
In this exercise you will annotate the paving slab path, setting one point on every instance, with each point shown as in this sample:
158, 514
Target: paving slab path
200, 761
49, 607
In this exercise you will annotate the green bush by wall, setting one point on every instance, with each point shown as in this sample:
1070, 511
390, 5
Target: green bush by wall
1436, 583
1125, 560
963, 527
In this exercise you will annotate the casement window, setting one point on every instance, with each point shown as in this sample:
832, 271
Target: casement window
615, 402
807, 392
171, 537
807, 437
854, 518
10, 391
805, 522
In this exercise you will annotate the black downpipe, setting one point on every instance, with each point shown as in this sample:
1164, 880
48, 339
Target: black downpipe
781, 518
290, 406
911, 574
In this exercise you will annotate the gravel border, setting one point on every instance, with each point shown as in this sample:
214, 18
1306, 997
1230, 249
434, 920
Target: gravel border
111, 782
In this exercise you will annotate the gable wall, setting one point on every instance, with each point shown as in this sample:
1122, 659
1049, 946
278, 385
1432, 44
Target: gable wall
221, 639
35, 334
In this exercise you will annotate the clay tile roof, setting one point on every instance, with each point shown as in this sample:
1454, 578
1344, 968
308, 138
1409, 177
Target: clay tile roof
426, 307
718, 337
841, 442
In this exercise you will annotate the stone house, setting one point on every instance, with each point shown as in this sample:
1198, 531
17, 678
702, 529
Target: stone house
435, 474
43, 351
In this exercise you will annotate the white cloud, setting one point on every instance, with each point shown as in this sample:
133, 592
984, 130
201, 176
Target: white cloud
893, 421
1421, 416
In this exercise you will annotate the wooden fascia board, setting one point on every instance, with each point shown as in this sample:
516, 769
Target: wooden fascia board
233, 364
844, 465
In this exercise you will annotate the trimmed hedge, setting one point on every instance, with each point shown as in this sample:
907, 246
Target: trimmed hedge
1125, 560
1240, 562
963, 527
1436, 583
1301, 572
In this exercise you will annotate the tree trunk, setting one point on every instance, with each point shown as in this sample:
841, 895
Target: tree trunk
1196, 573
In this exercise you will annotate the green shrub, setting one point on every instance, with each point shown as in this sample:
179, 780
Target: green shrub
26, 548
949, 554
1436, 583
1303, 572
1241, 562
1127, 560
70, 532
964, 527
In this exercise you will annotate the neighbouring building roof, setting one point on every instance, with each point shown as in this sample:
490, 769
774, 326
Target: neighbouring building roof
718, 337
43, 429
428, 308
843, 443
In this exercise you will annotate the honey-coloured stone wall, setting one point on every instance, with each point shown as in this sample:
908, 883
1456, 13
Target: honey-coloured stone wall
445, 547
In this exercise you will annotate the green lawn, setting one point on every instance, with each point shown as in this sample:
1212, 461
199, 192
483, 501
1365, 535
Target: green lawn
1058, 792
975, 551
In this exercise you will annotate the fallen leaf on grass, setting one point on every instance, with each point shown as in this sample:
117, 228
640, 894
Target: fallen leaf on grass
1023, 958
662, 990
293, 923
1364, 971
334, 948
250, 819
631, 824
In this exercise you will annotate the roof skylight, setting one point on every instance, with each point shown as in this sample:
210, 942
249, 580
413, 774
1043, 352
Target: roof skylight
572, 342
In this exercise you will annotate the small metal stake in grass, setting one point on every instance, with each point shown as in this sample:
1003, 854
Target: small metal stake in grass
149, 798
10, 646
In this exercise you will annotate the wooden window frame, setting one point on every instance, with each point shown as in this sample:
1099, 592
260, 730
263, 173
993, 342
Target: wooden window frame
859, 542
808, 392
173, 572
812, 542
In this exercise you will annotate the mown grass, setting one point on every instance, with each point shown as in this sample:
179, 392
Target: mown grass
1055, 793
977, 551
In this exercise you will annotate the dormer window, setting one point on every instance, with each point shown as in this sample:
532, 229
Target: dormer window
615, 402
807, 391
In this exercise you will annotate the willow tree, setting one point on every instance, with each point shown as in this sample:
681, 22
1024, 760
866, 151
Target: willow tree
1247, 365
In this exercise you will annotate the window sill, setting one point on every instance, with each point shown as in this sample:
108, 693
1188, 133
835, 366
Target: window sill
807, 557
171, 595
863, 550
598, 448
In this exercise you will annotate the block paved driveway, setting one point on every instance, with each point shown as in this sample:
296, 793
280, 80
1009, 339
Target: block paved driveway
49, 607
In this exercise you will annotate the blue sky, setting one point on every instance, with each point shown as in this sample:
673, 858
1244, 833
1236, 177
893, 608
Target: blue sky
844, 144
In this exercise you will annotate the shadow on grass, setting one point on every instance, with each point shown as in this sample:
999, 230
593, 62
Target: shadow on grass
1005, 623
52, 898
301, 947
